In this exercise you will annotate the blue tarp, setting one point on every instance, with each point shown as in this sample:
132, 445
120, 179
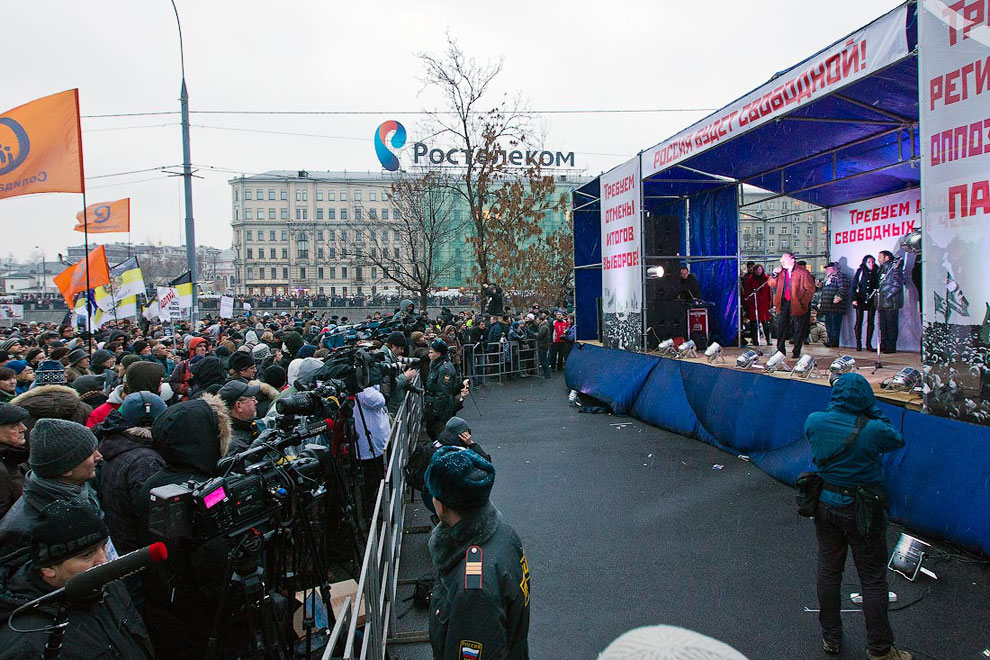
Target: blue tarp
714, 221
939, 483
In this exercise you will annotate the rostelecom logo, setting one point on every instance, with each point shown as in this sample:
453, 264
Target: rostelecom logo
386, 156
15, 144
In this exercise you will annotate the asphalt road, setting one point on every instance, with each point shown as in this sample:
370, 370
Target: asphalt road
625, 525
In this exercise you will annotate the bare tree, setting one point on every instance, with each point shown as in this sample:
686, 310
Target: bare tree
422, 225
505, 201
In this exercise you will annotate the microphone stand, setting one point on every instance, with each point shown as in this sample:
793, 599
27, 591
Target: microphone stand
53, 647
759, 325
879, 364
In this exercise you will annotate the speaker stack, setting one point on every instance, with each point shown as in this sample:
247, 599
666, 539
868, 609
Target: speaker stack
665, 315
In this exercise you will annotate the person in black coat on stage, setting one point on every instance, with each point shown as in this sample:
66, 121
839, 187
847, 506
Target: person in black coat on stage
864, 299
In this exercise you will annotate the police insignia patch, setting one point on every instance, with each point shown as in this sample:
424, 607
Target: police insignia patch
470, 650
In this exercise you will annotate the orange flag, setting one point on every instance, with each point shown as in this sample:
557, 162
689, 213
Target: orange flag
41, 147
72, 280
105, 217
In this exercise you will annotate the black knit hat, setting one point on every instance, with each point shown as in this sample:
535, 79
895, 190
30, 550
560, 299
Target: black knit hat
397, 339
460, 478
58, 445
240, 360
66, 529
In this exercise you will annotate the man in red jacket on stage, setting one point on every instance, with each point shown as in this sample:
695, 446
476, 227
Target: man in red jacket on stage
794, 289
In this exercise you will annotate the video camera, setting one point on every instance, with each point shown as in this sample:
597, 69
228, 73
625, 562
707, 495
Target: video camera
353, 368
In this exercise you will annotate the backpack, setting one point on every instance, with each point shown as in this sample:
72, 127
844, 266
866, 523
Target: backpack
419, 460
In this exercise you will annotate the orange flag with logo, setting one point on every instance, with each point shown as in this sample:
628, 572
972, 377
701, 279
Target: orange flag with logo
72, 280
41, 147
105, 217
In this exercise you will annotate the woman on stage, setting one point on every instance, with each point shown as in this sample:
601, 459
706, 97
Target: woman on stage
864, 299
757, 307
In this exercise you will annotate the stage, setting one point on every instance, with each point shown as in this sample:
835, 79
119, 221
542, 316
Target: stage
937, 483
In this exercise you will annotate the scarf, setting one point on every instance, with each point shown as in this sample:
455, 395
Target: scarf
447, 544
45, 491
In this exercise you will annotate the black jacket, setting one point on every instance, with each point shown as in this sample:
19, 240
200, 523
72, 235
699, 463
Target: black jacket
242, 435
99, 630
494, 618
12, 468
442, 387
128, 461
865, 282
891, 285
16, 526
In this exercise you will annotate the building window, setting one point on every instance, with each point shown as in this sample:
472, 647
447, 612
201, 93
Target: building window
343, 214
247, 194
343, 291
371, 196
305, 195
331, 214
285, 235
237, 214
271, 194
302, 246
271, 234
250, 253
372, 213
357, 195
319, 253
343, 235
396, 214
357, 213
319, 195
395, 253
298, 195
359, 236
785, 244
343, 195
384, 214
299, 214
395, 236
260, 215
374, 273
247, 235
773, 230
330, 235
809, 231
274, 273
283, 195
285, 273
331, 196
771, 242
302, 272
333, 272
236, 195
271, 214
250, 273
343, 275
333, 253
285, 253
247, 214
319, 273
260, 194
271, 253
333, 291
284, 214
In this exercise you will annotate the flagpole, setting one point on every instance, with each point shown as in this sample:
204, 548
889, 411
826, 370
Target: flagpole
89, 323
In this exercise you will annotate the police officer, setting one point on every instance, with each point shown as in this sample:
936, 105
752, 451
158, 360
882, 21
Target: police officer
479, 607
444, 391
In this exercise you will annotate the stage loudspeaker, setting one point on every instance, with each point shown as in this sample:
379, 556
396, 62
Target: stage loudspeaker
662, 235
666, 319
667, 287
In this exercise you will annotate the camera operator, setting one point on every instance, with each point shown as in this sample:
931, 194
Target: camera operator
68, 539
242, 404
184, 591
373, 428
445, 393
394, 387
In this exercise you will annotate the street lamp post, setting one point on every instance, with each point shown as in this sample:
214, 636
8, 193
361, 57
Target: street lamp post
187, 175
44, 272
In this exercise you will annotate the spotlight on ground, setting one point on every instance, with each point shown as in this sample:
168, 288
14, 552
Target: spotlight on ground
845, 364
714, 353
687, 349
666, 347
776, 362
747, 359
805, 367
904, 380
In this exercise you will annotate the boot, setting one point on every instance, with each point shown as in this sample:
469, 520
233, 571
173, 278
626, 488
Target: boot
892, 654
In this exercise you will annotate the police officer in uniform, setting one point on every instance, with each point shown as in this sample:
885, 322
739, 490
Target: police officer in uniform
444, 391
479, 607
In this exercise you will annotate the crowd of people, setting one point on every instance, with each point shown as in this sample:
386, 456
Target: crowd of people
791, 304
90, 423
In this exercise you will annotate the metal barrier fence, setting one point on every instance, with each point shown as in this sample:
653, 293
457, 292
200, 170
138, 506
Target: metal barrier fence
484, 362
380, 569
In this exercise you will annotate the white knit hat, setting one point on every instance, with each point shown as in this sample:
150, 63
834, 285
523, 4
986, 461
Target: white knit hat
668, 643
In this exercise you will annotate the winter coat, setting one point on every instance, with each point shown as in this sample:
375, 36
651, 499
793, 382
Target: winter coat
442, 387
54, 402
101, 629
891, 285
372, 418
817, 334
13, 465
493, 618
242, 435
38, 492
128, 461
183, 592
865, 282
827, 431
543, 336
802, 290
114, 401
761, 302
208, 377
835, 285
266, 397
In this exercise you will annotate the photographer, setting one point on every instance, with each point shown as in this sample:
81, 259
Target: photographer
242, 404
373, 428
394, 387
68, 539
183, 592
444, 391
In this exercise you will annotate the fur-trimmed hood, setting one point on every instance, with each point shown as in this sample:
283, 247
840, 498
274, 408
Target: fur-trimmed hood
193, 435
267, 391
54, 402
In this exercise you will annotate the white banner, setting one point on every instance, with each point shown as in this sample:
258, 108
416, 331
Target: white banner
866, 228
954, 63
226, 307
622, 270
877, 45
247, 307
170, 309
9, 311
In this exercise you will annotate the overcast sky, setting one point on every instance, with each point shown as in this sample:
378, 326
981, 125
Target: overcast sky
123, 55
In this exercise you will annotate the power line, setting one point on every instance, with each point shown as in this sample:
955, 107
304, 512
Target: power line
149, 169
584, 111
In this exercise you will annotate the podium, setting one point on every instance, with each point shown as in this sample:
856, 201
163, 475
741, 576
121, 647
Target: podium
697, 323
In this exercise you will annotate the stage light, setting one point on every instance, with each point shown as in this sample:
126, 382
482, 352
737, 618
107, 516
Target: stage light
747, 359
666, 347
687, 349
654, 272
573, 399
805, 367
905, 380
907, 558
845, 364
911, 242
776, 362
714, 352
